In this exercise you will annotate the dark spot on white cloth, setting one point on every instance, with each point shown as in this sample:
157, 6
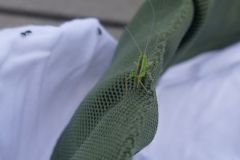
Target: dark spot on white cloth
26, 33
99, 31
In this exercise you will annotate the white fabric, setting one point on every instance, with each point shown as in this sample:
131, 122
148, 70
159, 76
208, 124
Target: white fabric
47, 73
199, 110
44, 76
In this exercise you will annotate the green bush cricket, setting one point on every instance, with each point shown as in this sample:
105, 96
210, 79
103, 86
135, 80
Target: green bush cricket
142, 65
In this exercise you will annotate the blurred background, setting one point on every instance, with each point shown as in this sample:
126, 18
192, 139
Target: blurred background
113, 14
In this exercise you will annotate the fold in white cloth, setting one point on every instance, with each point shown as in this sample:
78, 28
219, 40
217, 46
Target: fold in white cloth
45, 73
199, 109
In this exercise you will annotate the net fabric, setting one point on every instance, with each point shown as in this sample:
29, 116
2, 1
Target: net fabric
117, 119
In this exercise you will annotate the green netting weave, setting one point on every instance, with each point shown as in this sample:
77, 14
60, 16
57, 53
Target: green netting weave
117, 119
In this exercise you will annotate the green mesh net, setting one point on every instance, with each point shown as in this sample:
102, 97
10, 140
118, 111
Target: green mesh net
118, 118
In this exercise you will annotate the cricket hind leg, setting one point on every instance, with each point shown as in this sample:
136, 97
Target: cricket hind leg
127, 78
126, 83
140, 82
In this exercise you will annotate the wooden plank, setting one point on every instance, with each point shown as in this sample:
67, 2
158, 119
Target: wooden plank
114, 10
16, 21
7, 21
116, 32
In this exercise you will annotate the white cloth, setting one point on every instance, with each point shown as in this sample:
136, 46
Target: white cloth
44, 76
199, 110
47, 73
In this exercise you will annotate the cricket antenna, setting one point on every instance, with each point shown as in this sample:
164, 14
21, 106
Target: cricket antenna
134, 40
153, 19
